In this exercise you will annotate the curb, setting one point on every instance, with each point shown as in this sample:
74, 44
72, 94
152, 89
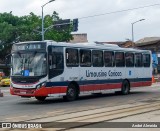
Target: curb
1, 94
157, 83
5, 91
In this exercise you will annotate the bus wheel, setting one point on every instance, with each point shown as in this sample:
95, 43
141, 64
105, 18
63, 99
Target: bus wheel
71, 94
40, 98
125, 88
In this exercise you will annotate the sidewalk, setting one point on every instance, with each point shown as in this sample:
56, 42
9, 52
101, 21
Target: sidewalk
157, 78
4, 89
155, 84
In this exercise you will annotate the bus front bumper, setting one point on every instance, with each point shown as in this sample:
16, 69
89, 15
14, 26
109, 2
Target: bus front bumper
29, 92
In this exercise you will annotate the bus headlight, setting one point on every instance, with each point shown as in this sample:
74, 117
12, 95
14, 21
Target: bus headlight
43, 84
40, 85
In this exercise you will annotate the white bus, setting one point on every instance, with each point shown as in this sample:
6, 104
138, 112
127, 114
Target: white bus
43, 69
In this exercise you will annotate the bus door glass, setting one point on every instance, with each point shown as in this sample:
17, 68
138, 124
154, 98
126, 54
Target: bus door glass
56, 67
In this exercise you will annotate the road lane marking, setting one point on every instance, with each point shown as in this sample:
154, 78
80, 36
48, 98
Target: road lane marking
55, 112
16, 118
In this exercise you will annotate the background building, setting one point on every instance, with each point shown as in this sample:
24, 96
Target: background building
124, 44
79, 38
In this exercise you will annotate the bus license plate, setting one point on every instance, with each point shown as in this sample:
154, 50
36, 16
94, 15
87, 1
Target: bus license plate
23, 92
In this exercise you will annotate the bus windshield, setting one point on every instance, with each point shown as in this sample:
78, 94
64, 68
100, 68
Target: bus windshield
29, 64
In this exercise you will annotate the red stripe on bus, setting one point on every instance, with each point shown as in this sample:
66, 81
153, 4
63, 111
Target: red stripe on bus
140, 84
44, 91
58, 89
100, 87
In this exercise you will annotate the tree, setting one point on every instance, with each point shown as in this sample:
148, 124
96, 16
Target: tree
56, 35
14, 29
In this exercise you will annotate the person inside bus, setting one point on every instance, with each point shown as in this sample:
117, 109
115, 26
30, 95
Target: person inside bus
85, 59
129, 61
97, 61
72, 57
108, 59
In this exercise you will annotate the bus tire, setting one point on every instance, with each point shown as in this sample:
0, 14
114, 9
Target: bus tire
72, 93
125, 88
40, 98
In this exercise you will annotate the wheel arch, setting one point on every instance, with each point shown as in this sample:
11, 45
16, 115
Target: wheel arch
127, 81
125, 89
76, 85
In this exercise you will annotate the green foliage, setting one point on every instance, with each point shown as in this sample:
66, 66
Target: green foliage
28, 28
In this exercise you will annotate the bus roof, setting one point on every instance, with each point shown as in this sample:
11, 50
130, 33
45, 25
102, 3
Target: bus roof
93, 45
88, 45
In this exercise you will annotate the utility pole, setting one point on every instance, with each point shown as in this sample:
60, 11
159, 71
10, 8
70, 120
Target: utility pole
133, 28
43, 18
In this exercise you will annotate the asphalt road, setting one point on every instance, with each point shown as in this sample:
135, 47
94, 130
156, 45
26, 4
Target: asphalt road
14, 109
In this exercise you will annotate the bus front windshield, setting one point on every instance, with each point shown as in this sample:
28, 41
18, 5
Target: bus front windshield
29, 64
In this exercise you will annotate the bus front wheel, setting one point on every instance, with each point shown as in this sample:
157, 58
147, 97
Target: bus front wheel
125, 88
71, 93
40, 98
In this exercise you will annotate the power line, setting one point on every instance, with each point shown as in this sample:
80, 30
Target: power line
119, 11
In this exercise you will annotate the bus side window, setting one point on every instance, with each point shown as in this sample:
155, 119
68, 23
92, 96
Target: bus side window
85, 58
146, 60
129, 57
72, 58
119, 59
138, 60
109, 58
97, 58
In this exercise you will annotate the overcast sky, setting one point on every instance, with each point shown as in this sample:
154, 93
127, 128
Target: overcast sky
114, 27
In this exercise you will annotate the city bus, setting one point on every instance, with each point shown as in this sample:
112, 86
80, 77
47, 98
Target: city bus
43, 69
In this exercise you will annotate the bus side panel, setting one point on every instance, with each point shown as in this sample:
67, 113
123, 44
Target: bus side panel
98, 79
141, 82
57, 87
143, 75
105, 85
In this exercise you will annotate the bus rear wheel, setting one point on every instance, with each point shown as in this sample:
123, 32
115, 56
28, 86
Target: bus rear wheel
40, 98
125, 88
71, 94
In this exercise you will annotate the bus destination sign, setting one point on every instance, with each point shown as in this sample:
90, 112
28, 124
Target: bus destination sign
29, 46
